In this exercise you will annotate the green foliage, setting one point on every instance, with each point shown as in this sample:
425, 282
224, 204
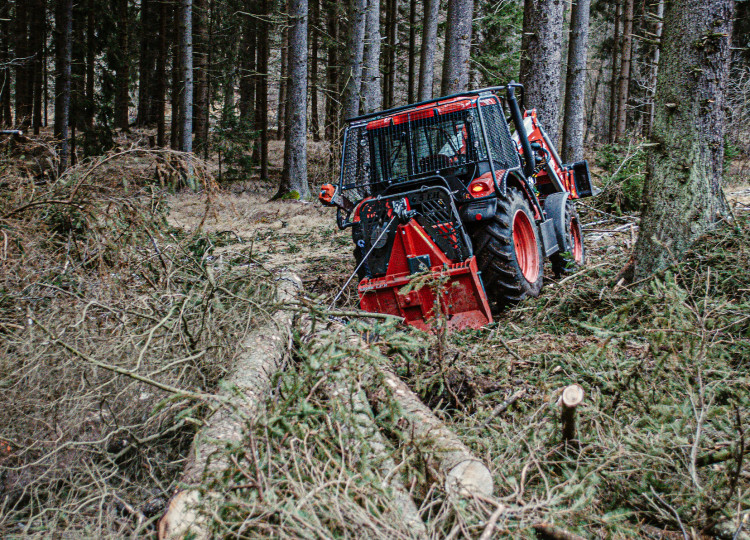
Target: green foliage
233, 140
499, 54
623, 185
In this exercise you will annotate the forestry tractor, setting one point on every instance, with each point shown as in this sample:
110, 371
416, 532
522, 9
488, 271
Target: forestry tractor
451, 213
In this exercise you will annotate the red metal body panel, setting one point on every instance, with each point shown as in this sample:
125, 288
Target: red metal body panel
454, 287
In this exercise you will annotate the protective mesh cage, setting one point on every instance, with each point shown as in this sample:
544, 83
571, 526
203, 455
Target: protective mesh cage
503, 149
357, 165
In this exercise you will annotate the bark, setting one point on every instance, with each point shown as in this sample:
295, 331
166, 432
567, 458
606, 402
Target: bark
315, 34
63, 56
372, 98
261, 90
90, 67
146, 64
389, 80
261, 356
355, 47
176, 90
541, 56
457, 46
627, 56
23, 65
6, 117
37, 40
332, 71
122, 71
464, 473
412, 77
247, 70
615, 72
161, 77
659, 28
186, 50
294, 174
575, 84
200, 70
283, 72
683, 194
429, 43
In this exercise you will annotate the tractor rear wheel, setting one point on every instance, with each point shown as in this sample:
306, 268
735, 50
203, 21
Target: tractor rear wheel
573, 252
509, 251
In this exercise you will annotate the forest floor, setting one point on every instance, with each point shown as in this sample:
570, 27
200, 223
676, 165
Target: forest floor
109, 279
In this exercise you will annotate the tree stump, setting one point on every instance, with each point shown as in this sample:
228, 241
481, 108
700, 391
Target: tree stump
572, 396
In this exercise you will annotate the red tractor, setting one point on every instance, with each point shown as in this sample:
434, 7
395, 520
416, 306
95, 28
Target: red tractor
452, 214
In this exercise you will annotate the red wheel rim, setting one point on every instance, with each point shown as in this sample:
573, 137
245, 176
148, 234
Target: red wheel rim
524, 242
575, 232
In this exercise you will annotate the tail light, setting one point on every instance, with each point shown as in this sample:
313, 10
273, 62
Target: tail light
481, 187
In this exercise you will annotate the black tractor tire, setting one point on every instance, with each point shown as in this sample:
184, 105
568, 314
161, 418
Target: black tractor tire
508, 248
572, 253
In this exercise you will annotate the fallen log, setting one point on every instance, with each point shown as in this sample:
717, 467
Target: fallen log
464, 474
246, 388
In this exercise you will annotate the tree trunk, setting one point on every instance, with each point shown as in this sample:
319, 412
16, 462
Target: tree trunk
429, 43
186, 50
248, 70
261, 356
37, 41
355, 47
200, 70
627, 56
261, 90
332, 71
63, 57
372, 99
654, 66
161, 77
391, 29
463, 472
457, 46
23, 65
294, 175
122, 72
683, 194
615, 73
412, 78
314, 24
283, 72
90, 65
541, 56
575, 85
176, 90
147, 61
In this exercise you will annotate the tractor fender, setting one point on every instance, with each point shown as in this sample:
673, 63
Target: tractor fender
554, 207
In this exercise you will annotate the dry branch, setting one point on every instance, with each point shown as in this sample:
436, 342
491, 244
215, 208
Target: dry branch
247, 386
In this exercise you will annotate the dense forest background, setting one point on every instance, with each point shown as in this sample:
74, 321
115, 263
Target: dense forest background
94, 68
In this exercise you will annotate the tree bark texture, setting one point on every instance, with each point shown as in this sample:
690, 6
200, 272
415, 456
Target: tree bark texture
23, 64
122, 72
63, 56
294, 175
90, 65
575, 84
457, 46
427, 54
161, 77
412, 71
314, 51
283, 79
463, 472
261, 89
6, 117
683, 194
659, 28
200, 70
355, 48
248, 68
541, 57
627, 58
391, 30
332, 72
37, 41
372, 98
147, 107
615, 72
249, 384
186, 50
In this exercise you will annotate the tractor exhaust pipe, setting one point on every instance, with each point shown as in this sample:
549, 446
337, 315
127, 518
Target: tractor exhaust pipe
529, 163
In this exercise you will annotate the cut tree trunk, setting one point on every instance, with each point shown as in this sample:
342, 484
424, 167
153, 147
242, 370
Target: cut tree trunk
464, 474
246, 388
